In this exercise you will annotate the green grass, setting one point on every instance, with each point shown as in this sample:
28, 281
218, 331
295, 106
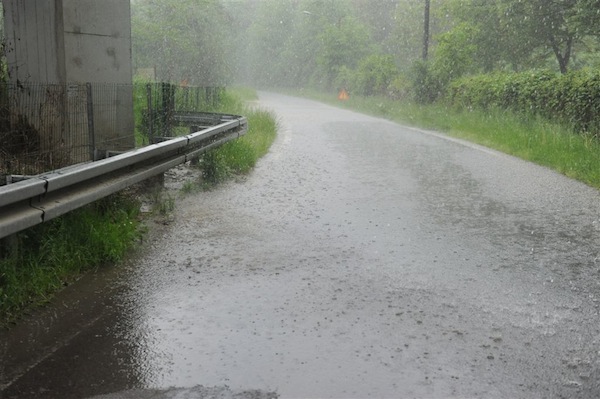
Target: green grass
37, 262
239, 156
243, 93
140, 104
528, 137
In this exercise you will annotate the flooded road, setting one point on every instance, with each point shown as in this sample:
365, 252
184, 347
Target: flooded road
359, 259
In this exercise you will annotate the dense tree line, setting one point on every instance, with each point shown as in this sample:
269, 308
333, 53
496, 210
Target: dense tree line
184, 41
369, 47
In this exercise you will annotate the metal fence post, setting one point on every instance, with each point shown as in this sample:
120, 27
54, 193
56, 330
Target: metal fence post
150, 113
167, 108
90, 120
197, 104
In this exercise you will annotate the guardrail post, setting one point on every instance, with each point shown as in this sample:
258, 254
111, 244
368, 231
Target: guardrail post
90, 120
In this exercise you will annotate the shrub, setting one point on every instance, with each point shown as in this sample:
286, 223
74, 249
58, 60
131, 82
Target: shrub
375, 74
570, 98
425, 86
37, 262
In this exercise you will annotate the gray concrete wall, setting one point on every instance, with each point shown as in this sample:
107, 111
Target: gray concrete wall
33, 45
97, 42
97, 36
75, 42
68, 41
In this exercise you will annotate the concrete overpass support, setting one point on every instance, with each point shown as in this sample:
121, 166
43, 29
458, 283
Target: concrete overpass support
69, 43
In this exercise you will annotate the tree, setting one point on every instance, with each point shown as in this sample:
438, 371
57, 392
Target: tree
586, 17
454, 55
547, 23
528, 33
185, 40
408, 36
267, 41
342, 44
380, 20
426, 18
488, 35
375, 74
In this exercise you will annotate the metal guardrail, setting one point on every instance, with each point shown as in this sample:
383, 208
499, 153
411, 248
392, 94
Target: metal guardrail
43, 197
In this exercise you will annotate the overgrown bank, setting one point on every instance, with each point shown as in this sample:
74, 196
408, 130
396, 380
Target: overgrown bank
239, 156
40, 261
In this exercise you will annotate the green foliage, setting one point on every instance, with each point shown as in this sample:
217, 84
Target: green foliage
267, 44
425, 86
570, 98
405, 41
586, 19
242, 93
300, 43
240, 155
346, 79
342, 45
140, 105
294, 43
526, 34
162, 202
546, 24
400, 88
185, 40
375, 74
454, 55
39, 261
214, 167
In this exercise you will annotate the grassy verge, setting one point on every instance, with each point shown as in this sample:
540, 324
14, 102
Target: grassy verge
240, 156
37, 262
526, 136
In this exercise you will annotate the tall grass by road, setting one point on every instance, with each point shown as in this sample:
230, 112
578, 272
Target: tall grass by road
40, 261
240, 156
526, 136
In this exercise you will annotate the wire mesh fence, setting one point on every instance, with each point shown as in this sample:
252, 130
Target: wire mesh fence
36, 131
164, 102
44, 127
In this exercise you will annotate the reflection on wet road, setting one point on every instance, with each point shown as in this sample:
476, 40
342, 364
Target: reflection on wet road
359, 259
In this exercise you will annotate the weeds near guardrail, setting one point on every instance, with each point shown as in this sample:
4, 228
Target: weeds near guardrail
41, 260
239, 156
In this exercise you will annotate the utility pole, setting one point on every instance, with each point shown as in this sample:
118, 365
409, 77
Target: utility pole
426, 30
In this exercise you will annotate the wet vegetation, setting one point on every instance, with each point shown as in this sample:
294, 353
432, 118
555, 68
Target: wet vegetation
38, 262
239, 156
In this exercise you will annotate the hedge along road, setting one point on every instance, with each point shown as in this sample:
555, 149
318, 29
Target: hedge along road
361, 259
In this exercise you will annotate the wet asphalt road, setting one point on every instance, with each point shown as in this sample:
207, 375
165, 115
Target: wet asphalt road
360, 259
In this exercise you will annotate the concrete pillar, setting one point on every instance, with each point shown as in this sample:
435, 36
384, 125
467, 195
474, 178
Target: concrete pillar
70, 43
